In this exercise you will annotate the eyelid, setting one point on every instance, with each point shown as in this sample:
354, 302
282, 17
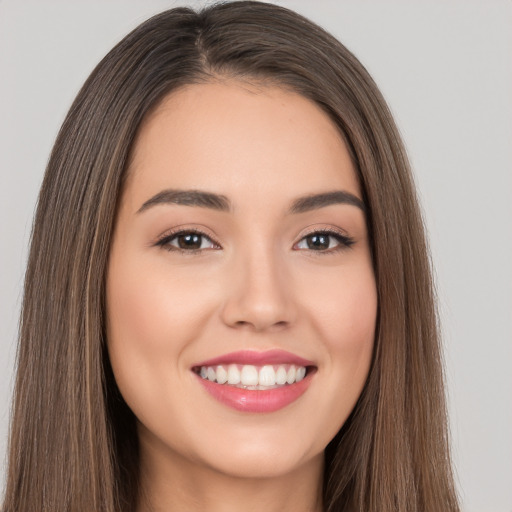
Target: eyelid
167, 236
345, 240
323, 228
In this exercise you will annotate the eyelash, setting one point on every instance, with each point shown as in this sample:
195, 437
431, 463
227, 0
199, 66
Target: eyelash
344, 241
165, 241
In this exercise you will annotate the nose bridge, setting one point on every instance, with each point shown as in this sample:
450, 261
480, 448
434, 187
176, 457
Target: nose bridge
259, 296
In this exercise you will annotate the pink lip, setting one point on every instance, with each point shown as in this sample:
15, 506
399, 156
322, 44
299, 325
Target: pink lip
257, 358
247, 400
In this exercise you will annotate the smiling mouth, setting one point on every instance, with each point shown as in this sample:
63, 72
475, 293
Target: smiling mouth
253, 377
254, 381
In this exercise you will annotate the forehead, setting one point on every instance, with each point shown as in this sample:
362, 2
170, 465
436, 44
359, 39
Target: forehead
232, 137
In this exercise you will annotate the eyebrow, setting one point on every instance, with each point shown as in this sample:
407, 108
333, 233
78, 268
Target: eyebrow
222, 203
189, 198
316, 201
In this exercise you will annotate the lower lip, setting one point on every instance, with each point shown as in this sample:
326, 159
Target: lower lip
246, 400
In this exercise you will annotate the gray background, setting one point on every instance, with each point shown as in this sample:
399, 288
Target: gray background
445, 68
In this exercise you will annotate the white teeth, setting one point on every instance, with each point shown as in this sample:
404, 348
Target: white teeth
301, 373
249, 375
253, 377
222, 375
233, 374
267, 376
290, 377
281, 375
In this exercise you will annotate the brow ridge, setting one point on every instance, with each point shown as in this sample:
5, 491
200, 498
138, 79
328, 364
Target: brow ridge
220, 202
188, 198
316, 201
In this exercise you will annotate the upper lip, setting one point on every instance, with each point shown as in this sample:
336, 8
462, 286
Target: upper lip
257, 358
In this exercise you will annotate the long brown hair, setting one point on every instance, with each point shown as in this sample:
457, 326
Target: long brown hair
73, 444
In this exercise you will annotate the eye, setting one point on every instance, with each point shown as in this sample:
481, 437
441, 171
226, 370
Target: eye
190, 241
324, 241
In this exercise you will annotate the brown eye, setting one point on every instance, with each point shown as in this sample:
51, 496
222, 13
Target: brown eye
324, 242
187, 241
318, 242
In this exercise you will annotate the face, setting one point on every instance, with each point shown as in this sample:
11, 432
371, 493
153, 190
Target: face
241, 298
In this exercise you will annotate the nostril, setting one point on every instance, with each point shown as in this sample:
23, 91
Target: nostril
260, 325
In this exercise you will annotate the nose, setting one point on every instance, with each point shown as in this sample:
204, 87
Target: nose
259, 295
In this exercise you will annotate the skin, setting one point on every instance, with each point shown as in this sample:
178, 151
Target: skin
257, 286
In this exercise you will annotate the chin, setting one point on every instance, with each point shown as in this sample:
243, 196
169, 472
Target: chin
263, 464
267, 455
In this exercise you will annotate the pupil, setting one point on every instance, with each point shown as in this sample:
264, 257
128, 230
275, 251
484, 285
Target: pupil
318, 242
192, 241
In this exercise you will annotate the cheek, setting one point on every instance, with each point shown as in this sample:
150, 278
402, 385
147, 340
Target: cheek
153, 305
350, 331
343, 307
153, 315
343, 311
352, 323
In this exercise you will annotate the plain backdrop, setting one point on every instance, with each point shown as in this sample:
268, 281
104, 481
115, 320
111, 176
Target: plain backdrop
445, 68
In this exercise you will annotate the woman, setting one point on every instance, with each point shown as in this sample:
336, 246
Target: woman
241, 307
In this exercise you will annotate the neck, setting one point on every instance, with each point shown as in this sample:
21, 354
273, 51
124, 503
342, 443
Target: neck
172, 483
